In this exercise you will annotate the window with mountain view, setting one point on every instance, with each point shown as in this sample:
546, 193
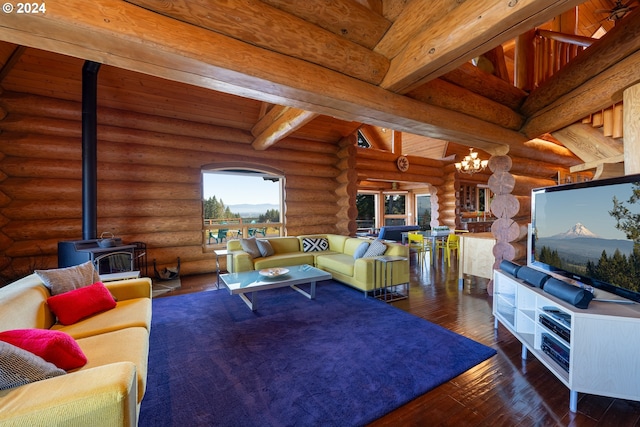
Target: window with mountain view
240, 204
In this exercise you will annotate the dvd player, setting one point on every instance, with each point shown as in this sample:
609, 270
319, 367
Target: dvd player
556, 351
555, 327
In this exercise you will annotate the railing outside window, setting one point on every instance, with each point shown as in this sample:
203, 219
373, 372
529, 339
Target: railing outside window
217, 231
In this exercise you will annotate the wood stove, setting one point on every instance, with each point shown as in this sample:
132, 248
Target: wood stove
111, 260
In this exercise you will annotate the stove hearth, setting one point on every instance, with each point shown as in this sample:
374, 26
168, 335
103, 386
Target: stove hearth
108, 261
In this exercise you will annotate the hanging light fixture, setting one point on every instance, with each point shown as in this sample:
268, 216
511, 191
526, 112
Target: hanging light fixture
471, 163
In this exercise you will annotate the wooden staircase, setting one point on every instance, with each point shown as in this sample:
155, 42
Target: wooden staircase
598, 139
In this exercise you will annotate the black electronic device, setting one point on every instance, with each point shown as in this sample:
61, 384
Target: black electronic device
554, 326
532, 277
509, 267
580, 230
578, 297
554, 349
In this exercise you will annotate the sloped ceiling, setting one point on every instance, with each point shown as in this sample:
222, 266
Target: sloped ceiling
314, 70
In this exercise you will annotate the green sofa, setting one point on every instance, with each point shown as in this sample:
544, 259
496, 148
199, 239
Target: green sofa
338, 259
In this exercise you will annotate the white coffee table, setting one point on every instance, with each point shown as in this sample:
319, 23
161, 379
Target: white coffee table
251, 282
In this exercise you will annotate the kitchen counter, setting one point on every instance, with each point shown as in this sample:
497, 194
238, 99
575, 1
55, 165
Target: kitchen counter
474, 226
476, 255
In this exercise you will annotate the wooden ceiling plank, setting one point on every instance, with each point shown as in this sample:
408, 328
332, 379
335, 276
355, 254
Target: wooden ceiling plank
270, 28
479, 25
272, 128
346, 18
619, 43
600, 91
417, 16
101, 31
588, 143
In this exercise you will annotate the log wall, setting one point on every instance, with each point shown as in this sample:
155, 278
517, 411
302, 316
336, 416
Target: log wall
149, 181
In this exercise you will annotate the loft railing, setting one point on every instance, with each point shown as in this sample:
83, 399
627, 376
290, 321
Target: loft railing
553, 50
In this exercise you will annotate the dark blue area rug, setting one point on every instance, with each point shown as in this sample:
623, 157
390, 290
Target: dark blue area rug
338, 360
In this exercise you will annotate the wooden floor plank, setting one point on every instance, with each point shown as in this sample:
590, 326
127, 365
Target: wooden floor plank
502, 391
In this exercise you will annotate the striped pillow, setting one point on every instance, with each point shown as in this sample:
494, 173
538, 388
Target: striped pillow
19, 367
376, 248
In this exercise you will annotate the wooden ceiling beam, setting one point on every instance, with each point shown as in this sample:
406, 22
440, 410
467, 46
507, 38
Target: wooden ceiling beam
270, 28
619, 158
346, 18
417, 16
8, 62
277, 124
452, 97
102, 31
489, 86
469, 30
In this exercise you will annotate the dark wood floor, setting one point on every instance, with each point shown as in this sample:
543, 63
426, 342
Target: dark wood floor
504, 390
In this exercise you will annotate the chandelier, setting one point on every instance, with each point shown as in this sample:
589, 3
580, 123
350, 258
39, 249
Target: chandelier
471, 163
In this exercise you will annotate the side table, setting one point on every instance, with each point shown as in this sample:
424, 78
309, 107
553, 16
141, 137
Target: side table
385, 293
219, 253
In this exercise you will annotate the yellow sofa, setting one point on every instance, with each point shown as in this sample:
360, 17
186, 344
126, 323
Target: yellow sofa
338, 259
109, 388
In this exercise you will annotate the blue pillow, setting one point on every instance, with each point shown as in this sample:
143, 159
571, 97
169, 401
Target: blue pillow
361, 250
265, 248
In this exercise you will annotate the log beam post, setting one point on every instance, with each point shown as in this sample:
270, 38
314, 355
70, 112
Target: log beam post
631, 97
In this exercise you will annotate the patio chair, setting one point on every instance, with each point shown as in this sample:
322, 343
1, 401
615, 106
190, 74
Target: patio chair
256, 231
220, 236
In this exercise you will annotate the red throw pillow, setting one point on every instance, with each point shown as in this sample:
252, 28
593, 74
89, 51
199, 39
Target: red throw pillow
75, 305
56, 347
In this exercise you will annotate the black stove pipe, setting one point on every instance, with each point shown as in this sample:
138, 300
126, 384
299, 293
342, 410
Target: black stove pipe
90, 150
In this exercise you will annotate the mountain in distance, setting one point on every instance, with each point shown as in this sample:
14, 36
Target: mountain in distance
574, 232
579, 244
247, 209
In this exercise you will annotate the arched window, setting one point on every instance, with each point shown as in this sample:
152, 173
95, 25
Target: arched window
240, 203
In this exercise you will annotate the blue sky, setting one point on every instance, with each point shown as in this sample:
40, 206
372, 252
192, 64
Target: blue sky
238, 189
588, 206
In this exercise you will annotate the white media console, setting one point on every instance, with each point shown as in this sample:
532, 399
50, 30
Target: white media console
601, 344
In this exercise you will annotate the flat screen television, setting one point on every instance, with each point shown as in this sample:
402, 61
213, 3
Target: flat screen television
589, 232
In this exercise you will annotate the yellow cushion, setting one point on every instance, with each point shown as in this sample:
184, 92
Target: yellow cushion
350, 245
284, 260
130, 289
24, 305
127, 314
342, 263
125, 345
107, 393
283, 245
